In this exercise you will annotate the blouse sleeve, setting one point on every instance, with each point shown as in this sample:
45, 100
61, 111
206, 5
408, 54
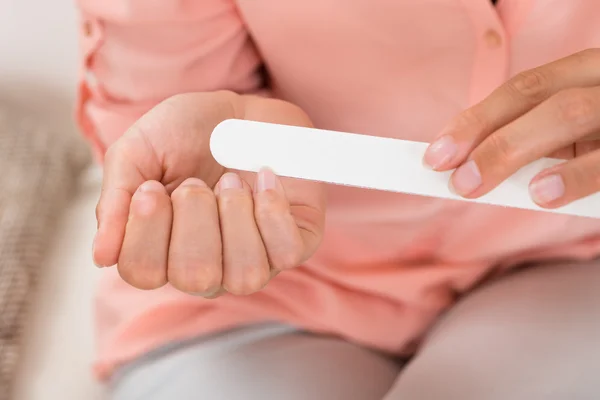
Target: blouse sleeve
136, 53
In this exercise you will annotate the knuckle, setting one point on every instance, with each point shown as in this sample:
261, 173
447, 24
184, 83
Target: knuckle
250, 282
141, 278
501, 150
576, 107
287, 259
533, 85
195, 278
472, 120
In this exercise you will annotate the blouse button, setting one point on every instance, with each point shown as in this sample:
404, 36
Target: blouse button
87, 28
493, 39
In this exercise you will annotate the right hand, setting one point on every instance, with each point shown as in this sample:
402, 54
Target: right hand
169, 213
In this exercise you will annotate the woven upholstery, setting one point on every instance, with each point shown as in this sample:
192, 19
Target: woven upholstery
38, 174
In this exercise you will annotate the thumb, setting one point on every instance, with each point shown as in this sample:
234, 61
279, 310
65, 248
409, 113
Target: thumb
128, 163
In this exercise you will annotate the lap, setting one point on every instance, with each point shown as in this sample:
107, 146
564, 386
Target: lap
531, 335
534, 334
259, 363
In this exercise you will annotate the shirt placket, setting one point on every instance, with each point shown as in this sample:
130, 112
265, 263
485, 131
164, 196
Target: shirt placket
491, 56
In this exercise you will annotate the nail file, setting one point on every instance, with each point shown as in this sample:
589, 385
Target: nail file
364, 161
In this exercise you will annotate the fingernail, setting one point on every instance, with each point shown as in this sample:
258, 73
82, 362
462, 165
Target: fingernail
441, 152
143, 203
466, 178
547, 189
266, 180
195, 182
94, 251
230, 181
151, 186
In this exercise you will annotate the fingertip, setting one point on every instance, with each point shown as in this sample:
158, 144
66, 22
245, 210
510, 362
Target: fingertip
194, 182
441, 154
466, 181
112, 215
247, 281
547, 190
229, 180
148, 199
104, 253
142, 278
266, 180
152, 186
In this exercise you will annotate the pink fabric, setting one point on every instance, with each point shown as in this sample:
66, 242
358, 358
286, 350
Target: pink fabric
390, 263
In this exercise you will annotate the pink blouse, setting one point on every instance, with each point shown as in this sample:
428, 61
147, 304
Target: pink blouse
390, 263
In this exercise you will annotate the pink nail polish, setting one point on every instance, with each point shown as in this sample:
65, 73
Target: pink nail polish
466, 178
547, 189
266, 180
230, 181
441, 152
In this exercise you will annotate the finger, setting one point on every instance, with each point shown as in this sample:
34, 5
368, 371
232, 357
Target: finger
121, 178
511, 100
215, 295
145, 153
556, 123
587, 146
566, 153
143, 258
245, 263
567, 182
592, 137
222, 291
195, 249
280, 234
307, 202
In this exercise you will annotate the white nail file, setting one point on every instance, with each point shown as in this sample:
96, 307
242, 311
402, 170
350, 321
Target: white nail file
364, 161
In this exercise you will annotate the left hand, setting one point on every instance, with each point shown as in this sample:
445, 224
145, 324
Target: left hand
552, 110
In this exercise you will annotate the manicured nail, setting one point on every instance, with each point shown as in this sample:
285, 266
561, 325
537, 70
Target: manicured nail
266, 180
230, 181
151, 186
547, 189
466, 178
441, 152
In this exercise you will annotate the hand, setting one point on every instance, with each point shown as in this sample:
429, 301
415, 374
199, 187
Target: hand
553, 110
169, 213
